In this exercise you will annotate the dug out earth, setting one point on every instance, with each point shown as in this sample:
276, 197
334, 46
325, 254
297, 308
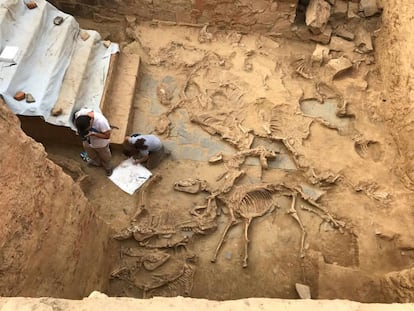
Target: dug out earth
291, 161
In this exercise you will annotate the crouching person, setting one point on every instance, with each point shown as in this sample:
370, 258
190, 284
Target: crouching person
95, 131
145, 149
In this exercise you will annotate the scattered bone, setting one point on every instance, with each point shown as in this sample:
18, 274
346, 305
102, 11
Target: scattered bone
173, 241
143, 194
320, 54
239, 158
248, 64
362, 145
216, 158
234, 37
323, 179
292, 212
119, 272
303, 67
164, 95
317, 15
226, 126
204, 218
190, 185
182, 286
163, 125
204, 36
150, 260
371, 189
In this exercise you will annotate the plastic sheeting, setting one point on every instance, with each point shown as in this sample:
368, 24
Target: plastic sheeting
46, 52
130, 176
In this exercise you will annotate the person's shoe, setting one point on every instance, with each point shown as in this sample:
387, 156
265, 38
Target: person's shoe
109, 172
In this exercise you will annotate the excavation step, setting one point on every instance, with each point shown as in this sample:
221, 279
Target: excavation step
117, 101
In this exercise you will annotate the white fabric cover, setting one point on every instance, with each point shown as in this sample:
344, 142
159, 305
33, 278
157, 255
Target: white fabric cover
45, 53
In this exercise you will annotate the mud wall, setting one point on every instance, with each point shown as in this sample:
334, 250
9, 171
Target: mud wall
396, 65
258, 15
51, 244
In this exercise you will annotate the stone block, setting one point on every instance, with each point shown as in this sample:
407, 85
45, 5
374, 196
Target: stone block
363, 41
340, 9
353, 9
338, 66
320, 54
368, 7
317, 15
341, 45
344, 33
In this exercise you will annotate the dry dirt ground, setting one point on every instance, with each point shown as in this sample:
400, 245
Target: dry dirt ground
328, 208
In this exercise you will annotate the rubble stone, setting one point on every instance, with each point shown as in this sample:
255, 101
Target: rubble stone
19, 96
29, 98
341, 45
340, 9
353, 9
369, 7
338, 66
303, 291
317, 15
344, 33
320, 54
363, 41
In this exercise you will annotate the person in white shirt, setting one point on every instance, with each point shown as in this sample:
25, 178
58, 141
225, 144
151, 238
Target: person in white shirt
145, 149
95, 131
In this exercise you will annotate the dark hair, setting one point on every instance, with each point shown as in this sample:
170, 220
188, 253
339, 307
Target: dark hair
140, 144
83, 123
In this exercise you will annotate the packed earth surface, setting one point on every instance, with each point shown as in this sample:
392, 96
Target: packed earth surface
291, 169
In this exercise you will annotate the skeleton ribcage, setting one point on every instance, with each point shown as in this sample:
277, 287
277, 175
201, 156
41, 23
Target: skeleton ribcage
253, 203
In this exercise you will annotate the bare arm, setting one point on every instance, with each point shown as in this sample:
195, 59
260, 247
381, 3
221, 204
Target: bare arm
142, 159
104, 135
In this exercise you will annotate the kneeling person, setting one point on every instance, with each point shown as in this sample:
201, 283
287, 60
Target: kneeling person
145, 149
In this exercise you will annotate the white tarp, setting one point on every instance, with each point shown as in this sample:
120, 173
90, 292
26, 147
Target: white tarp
129, 176
45, 53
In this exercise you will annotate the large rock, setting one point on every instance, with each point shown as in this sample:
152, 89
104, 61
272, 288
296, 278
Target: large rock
363, 41
317, 15
340, 9
336, 67
341, 45
369, 7
399, 286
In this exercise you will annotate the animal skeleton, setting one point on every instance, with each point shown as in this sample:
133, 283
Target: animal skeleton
250, 201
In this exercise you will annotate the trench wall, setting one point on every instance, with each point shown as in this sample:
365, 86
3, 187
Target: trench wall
51, 243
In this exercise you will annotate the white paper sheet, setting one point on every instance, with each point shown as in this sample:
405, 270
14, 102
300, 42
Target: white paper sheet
129, 176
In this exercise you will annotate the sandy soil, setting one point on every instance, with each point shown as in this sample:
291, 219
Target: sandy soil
333, 154
292, 129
